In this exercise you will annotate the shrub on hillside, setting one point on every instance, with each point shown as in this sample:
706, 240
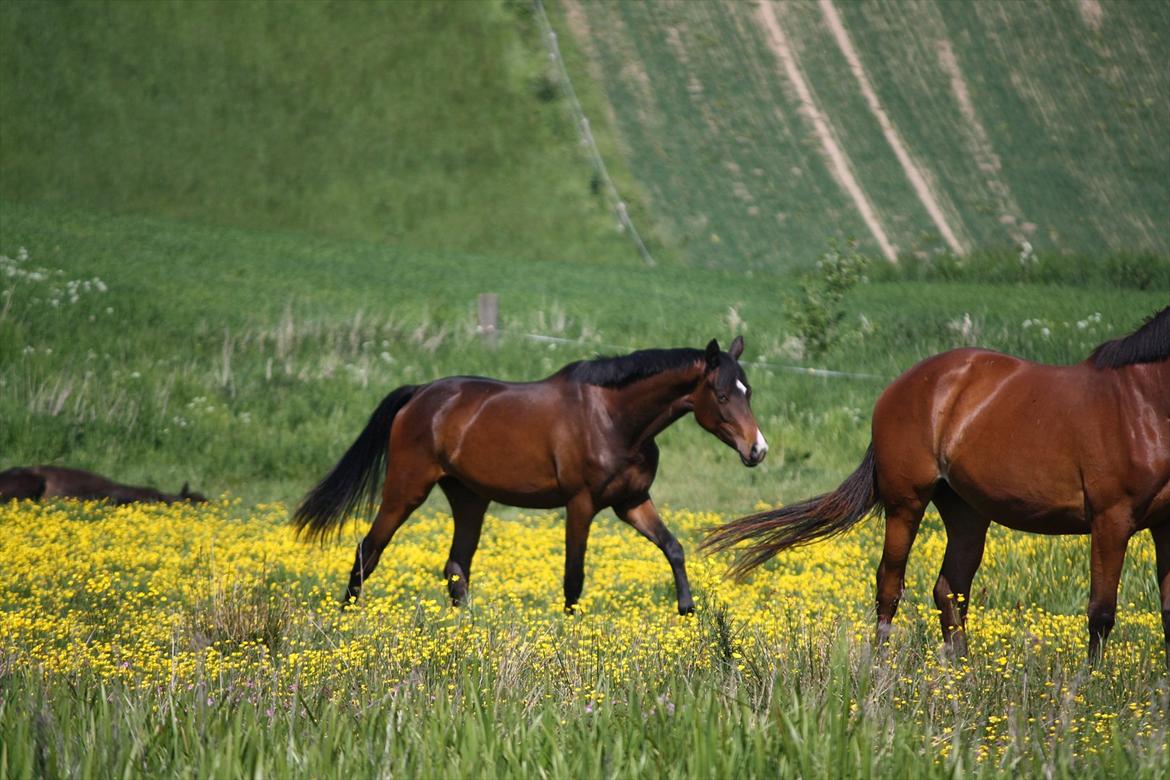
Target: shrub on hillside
818, 312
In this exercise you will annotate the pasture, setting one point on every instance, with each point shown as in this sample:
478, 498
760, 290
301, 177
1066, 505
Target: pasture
206, 642
130, 632
225, 237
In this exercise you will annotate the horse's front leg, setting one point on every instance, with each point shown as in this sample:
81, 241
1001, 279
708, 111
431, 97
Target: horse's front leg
642, 514
578, 517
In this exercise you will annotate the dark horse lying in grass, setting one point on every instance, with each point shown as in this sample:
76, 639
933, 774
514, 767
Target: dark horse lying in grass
39, 482
1082, 449
582, 439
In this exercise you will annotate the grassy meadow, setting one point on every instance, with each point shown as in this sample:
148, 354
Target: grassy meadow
227, 231
247, 362
206, 642
144, 641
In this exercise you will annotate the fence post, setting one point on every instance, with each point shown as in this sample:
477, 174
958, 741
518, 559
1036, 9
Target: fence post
489, 318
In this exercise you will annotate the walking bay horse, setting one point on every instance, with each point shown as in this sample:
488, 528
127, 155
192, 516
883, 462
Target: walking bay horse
1081, 449
582, 439
39, 482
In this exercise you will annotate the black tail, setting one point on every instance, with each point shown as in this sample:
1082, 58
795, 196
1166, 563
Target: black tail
808, 521
352, 485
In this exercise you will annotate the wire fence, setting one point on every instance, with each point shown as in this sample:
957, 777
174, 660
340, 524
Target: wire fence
787, 368
587, 139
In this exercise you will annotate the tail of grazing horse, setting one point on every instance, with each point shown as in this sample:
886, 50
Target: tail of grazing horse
352, 485
808, 521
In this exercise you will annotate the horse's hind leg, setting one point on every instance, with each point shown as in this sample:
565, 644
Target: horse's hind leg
467, 509
1110, 535
1161, 536
404, 491
902, 523
578, 517
966, 536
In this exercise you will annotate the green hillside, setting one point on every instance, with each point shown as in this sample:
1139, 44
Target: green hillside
1023, 121
442, 125
421, 124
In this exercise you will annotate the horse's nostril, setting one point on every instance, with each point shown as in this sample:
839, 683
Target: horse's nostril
758, 453
760, 448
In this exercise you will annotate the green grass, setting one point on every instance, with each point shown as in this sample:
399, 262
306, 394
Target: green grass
247, 361
1068, 146
508, 686
255, 219
786, 725
423, 124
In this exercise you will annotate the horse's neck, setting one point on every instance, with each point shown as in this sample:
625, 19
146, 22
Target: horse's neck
647, 407
128, 493
1152, 381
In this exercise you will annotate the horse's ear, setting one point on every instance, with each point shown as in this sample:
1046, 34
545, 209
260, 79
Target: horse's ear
185, 490
712, 354
736, 348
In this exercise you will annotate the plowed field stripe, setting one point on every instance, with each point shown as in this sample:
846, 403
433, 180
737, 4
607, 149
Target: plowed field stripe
838, 162
913, 173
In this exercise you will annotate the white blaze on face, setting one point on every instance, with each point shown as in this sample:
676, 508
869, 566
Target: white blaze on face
741, 387
761, 442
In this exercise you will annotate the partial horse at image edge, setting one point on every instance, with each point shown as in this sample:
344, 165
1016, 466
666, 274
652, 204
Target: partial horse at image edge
1080, 449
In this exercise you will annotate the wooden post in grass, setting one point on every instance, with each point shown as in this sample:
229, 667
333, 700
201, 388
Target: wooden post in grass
489, 318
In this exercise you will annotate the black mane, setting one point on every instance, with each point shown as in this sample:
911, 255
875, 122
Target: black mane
1148, 344
627, 369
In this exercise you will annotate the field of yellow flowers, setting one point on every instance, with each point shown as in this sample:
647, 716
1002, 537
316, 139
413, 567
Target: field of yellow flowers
207, 641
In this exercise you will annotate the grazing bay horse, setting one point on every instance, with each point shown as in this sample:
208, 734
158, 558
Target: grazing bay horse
40, 482
582, 439
1080, 449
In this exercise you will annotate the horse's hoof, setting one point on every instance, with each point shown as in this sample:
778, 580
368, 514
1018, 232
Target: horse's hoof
687, 610
570, 609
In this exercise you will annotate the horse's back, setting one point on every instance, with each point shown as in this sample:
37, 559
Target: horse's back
954, 395
914, 414
486, 433
63, 482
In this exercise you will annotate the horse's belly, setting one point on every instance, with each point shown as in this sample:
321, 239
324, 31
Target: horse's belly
1040, 507
526, 500
1046, 521
509, 481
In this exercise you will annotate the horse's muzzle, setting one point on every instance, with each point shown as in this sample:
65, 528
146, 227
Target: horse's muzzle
758, 452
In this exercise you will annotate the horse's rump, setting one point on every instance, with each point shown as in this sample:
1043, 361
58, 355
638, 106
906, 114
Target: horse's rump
1020, 442
21, 484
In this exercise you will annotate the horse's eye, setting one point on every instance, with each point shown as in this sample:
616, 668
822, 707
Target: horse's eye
722, 398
